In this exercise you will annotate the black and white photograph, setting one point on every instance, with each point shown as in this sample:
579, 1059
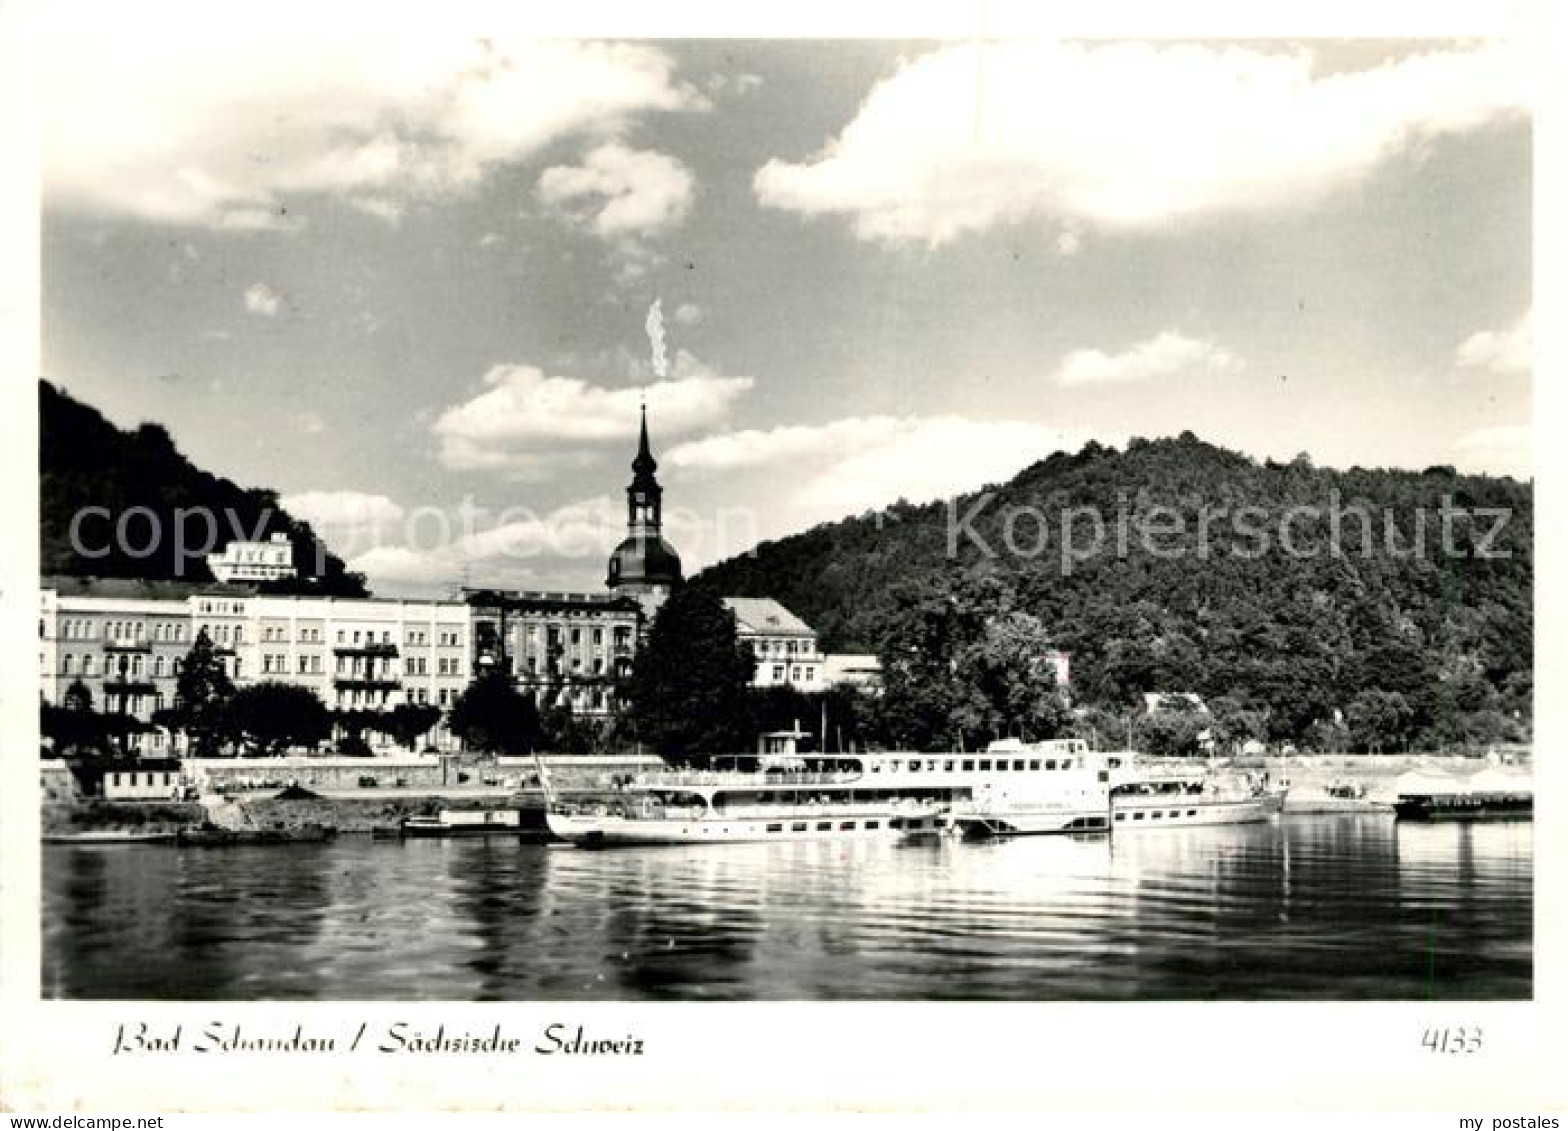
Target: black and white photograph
561, 522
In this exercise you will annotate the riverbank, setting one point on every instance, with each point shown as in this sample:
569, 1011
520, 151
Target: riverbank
95, 820
382, 807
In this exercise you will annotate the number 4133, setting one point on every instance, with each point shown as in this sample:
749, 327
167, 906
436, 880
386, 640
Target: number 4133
1455, 1042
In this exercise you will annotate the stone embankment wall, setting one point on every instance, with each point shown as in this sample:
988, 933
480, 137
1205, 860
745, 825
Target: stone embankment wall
128, 818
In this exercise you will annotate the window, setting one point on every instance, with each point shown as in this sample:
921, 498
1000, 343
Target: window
1121, 816
1050, 763
1067, 763
1018, 763
824, 826
873, 824
985, 763
1135, 816
775, 828
947, 765
798, 827
844, 826
66, 665
778, 671
969, 763
1034, 763
811, 675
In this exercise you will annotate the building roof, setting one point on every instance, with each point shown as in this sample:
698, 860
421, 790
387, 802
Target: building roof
764, 615
68, 586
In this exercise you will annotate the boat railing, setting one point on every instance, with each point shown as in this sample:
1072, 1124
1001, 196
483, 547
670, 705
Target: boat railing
685, 779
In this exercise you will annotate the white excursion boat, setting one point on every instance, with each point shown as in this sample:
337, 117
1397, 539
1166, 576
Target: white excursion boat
1147, 796
1062, 784
1139, 794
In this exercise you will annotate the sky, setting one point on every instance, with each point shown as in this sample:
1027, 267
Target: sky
419, 283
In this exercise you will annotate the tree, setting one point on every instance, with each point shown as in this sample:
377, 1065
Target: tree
272, 717
1379, 720
72, 726
689, 685
493, 716
563, 732
1017, 683
407, 723
1171, 734
201, 696
962, 666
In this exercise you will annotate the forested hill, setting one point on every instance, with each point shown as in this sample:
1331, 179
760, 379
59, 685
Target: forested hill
1391, 617
85, 461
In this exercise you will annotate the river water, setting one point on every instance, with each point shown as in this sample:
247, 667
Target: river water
1325, 908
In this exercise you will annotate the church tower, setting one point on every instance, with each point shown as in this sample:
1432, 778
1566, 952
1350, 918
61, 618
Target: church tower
644, 565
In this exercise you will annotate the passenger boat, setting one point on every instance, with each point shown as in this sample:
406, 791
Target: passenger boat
1063, 785
1140, 794
1144, 796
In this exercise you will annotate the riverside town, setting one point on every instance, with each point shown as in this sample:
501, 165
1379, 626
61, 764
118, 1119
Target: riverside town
1136, 598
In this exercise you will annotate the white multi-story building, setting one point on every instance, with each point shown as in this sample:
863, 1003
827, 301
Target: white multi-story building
272, 560
785, 646
125, 641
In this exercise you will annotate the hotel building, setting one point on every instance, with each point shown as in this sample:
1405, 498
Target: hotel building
125, 639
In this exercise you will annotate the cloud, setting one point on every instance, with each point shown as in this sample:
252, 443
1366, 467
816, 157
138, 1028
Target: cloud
1503, 450
1163, 355
855, 463
263, 300
380, 207
1125, 135
230, 122
346, 516
525, 420
619, 193
742, 83
504, 547
1500, 351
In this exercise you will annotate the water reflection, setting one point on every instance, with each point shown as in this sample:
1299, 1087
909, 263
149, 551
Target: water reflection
1328, 908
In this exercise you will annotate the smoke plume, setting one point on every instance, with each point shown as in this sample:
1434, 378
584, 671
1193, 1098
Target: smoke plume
661, 363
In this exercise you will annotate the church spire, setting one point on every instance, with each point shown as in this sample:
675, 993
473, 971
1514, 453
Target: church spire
644, 465
644, 565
